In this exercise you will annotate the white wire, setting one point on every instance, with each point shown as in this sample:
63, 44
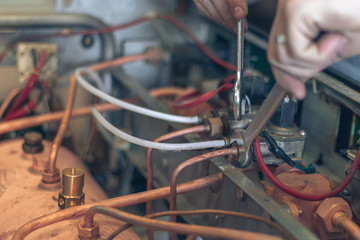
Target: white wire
156, 145
248, 102
129, 106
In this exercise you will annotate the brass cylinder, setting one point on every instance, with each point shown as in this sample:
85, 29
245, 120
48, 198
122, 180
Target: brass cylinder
72, 182
72, 188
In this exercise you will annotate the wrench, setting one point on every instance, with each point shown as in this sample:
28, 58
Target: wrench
239, 69
263, 115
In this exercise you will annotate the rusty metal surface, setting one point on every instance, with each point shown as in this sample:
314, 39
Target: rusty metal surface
256, 192
21, 200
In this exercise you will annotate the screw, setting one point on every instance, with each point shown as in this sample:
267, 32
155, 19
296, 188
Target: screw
286, 99
300, 212
346, 192
239, 194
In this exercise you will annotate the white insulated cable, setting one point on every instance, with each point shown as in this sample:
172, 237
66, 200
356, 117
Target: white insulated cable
129, 106
156, 145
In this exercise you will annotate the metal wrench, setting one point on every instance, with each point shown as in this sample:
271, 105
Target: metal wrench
239, 70
265, 112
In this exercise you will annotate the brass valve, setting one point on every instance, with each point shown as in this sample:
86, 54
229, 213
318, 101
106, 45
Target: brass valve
72, 188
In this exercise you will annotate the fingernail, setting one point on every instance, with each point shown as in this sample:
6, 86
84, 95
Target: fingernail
238, 12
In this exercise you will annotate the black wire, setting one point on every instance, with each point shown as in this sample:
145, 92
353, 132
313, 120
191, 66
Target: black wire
276, 150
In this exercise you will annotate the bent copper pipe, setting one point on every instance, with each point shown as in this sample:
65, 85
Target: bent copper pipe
149, 165
33, 121
70, 102
118, 202
342, 221
205, 231
206, 156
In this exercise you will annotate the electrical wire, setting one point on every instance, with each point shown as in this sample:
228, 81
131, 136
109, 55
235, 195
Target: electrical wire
7, 101
206, 231
156, 145
131, 107
29, 85
270, 223
70, 102
135, 22
296, 194
182, 103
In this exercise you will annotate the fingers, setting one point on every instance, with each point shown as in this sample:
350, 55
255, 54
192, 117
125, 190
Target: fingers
225, 12
290, 83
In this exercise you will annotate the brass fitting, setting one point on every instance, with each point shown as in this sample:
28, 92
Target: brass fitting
72, 188
88, 233
328, 208
215, 127
50, 181
32, 143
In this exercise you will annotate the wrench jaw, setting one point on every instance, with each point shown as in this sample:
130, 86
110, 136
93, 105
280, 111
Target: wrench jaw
245, 156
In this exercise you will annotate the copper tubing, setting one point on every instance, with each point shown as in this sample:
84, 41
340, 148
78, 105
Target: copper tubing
149, 164
169, 91
8, 100
34, 121
205, 231
70, 101
118, 202
342, 221
190, 162
89, 221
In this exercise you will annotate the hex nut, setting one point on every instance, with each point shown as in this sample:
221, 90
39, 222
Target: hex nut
328, 208
70, 201
51, 177
88, 233
216, 126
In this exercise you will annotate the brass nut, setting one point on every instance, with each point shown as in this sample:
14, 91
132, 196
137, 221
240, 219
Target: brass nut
328, 208
216, 127
88, 233
67, 201
51, 177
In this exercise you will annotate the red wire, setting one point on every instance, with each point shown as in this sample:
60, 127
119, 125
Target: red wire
164, 17
29, 85
181, 103
297, 194
202, 46
76, 33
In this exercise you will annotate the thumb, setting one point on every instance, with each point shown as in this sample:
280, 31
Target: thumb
330, 45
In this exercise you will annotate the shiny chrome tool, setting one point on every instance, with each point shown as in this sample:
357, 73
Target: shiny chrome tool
262, 116
239, 70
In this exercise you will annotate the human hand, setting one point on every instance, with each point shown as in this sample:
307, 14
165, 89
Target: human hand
226, 12
309, 35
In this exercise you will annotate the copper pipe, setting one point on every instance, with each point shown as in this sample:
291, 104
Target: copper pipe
190, 162
169, 91
70, 102
342, 221
8, 100
89, 221
34, 121
205, 231
118, 202
149, 164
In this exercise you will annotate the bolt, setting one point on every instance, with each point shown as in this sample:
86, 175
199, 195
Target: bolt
302, 132
346, 192
239, 194
300, 212
286, 99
